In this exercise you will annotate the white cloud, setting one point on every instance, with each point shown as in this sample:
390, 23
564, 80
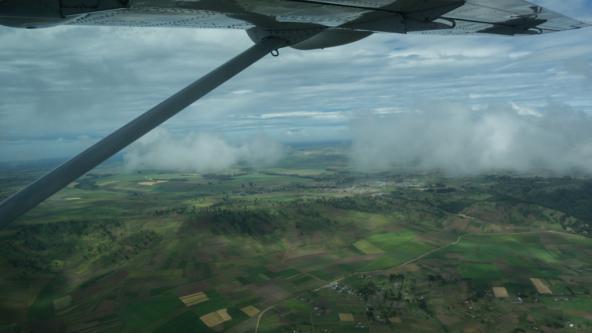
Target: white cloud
459, 140
306, 114
525, 110
199, 152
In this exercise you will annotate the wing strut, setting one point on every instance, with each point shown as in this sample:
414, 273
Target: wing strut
41, 189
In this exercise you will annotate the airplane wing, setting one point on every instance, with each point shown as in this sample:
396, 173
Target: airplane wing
508, 17
501, 17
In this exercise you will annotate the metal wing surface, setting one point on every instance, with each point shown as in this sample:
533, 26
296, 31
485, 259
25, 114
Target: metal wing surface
502, 17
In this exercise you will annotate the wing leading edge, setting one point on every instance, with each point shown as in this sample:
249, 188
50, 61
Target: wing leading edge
501, 17
512, 17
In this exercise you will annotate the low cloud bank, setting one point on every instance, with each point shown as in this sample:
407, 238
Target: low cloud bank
457, 140
199, 152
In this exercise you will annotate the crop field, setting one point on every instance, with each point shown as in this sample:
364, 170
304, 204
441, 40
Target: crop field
367, 248
309, 245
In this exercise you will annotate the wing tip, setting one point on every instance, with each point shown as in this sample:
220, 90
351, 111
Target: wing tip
573, 25
580, 25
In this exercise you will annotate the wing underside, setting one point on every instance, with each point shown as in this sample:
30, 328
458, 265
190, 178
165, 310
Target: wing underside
510, 17
503, 17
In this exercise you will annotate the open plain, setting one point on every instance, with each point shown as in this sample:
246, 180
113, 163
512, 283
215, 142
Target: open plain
309, 245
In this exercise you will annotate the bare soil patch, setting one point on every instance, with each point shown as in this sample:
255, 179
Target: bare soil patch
500, 292
541, 287
195, 298
366, 247
152, 182
346, 317
215, 318
250, 310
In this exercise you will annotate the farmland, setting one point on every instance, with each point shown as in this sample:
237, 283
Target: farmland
309, 245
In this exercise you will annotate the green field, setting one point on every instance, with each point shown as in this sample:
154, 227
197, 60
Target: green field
302, 241
367, 248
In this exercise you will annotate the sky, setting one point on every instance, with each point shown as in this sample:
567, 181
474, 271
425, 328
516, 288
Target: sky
460, 103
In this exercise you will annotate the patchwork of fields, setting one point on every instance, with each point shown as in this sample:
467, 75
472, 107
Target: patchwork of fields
307, 246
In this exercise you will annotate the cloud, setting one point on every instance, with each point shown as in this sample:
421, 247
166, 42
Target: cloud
199, 152
461, 140
306, 115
